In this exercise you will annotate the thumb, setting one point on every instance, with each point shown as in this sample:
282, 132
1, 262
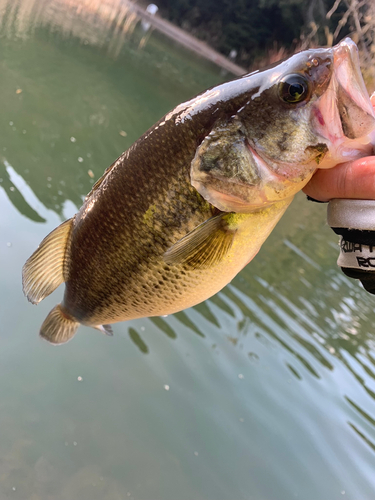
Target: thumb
349, 180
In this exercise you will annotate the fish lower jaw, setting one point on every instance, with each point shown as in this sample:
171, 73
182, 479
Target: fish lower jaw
344, 150
343, 117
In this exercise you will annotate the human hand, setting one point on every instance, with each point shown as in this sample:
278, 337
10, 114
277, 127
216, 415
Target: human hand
355, 179
352, 219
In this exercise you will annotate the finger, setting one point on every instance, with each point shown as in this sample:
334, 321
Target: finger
349, 180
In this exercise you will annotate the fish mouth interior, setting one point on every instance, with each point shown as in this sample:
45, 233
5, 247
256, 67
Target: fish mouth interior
354, 106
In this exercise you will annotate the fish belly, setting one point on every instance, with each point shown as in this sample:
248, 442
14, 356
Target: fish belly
162, 290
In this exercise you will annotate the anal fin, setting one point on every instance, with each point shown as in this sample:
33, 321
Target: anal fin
58, 327
43, 272
206, 245
106, 329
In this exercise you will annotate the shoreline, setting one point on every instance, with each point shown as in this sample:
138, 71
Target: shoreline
188, 41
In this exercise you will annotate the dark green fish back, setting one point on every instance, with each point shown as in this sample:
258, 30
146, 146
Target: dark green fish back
143, 205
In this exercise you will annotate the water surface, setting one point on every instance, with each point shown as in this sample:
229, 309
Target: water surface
264, 392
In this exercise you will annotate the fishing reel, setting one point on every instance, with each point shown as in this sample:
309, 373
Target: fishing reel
354, 222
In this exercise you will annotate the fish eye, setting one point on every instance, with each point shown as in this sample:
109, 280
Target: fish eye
294, 89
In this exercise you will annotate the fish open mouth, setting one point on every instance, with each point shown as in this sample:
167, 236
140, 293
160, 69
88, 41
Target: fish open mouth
344, 112
355, 110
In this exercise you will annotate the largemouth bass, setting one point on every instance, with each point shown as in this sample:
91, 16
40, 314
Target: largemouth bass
182, 211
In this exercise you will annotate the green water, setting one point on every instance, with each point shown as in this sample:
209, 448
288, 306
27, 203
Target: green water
264, 392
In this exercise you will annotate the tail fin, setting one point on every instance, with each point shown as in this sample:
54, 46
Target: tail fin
44, 270
58, 327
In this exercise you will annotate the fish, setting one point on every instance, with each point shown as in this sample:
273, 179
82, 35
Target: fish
190, 203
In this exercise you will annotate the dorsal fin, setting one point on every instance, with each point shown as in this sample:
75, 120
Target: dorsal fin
43, 272
205, 246
99, 182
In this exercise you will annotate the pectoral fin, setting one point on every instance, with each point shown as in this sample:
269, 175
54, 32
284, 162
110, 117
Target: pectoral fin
205, 246
43, 271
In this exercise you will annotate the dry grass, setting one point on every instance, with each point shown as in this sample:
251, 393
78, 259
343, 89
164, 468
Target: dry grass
358, 19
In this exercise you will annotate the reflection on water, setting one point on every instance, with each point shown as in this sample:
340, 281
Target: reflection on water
264, 392
72, 115
95, 22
